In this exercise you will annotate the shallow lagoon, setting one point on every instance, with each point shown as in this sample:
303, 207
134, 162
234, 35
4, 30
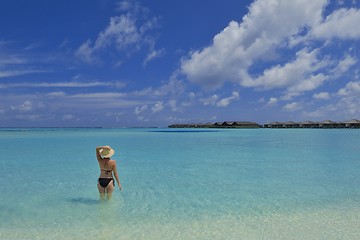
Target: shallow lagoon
182, 184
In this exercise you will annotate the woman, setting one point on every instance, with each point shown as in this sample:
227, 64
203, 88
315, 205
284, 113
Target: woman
107, 166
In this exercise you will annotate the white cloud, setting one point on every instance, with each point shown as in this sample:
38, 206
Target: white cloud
351, 89
98, 95
285, 41
173, 105
19, 72
67, 117
240, 45
153, 55
117, 115
292, 74
85, 52
272, 101
121, 32
126, 33
215, 100
226, 101
56, 94
189, 101
28, 117
25, 107
99, 101
159, 105
9, 59
322, 96
173, 87
342, 24
60, 84
14, 64
139, 110
294, 106
345, 107
343, 66
210, 100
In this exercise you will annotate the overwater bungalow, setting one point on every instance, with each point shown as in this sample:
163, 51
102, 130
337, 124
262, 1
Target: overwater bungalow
239, 125
274, 125
327, 124
353, 123
291, 124
246, 125
218, 124
226, 124
308, 124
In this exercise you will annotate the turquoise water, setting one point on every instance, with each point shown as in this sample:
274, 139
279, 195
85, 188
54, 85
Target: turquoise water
182, 184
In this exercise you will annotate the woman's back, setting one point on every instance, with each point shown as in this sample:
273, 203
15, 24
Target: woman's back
106, 168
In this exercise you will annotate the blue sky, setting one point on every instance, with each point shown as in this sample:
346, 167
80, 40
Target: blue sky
154, 63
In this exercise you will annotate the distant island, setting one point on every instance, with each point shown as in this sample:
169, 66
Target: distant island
354, 123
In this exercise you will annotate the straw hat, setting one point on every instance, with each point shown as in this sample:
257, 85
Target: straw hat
106, 152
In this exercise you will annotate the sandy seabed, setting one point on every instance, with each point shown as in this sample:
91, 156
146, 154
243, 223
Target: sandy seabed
313, 224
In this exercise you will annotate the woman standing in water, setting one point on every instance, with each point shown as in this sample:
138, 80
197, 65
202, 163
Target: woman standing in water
107, 166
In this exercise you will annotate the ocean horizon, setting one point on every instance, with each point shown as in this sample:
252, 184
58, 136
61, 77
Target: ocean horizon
181, 184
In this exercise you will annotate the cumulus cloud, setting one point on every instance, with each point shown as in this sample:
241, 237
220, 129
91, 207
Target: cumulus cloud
299, 29
126, 34
240, 45
341, 24
292, 74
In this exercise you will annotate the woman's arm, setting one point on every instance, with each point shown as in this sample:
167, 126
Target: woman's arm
98, 156
116, 176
